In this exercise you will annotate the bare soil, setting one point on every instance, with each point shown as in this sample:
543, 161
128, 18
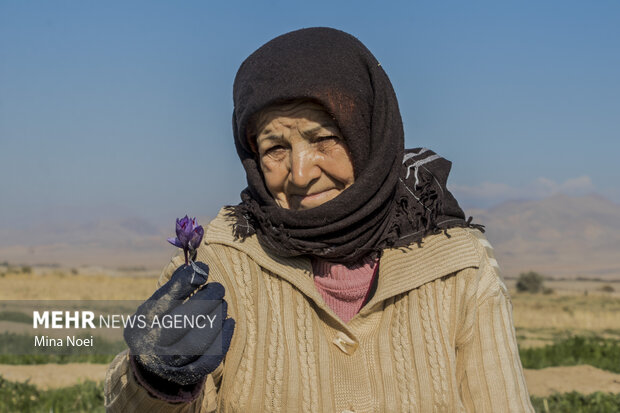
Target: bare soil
583, 379
52, 376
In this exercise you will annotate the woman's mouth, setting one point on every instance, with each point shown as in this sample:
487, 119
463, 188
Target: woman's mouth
314, 199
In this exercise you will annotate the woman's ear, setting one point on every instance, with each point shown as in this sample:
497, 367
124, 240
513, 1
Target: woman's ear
251, 138
250, 134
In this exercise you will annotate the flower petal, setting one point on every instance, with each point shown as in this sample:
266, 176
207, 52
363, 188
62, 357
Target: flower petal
183, 223
183, 237
196, 237
175, 242
184, 230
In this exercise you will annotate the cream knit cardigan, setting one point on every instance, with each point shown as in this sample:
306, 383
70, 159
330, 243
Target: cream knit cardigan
437, 336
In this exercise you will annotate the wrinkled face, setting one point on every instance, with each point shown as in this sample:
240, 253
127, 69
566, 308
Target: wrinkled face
304, 160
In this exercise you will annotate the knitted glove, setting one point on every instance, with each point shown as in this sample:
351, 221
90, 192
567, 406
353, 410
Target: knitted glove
182, 355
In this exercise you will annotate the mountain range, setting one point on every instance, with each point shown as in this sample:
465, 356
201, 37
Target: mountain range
560, 236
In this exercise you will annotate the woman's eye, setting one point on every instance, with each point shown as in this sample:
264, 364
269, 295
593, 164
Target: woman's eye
275, 151
325, 143
327, 138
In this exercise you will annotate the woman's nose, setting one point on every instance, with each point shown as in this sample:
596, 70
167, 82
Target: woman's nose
304, 167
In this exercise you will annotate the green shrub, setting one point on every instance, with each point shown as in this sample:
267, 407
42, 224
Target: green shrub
578, 403
28, 359
598, 352
16, 317
26, 398
608, 288
88, 397
12, 348
530, 282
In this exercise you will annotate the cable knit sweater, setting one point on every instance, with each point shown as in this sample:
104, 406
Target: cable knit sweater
437, 335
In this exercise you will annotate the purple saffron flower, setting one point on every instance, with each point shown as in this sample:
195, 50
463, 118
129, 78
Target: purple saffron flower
188, 236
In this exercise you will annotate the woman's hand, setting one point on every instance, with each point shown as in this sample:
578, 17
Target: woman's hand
182, 353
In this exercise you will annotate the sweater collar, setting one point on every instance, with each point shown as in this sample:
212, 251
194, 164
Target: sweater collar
406, 268
400, 270
295, 270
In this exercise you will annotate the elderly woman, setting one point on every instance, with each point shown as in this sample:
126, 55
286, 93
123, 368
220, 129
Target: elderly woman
354, 280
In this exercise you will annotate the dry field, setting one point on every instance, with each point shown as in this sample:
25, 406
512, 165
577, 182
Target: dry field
62, 285
539, 319
574, 308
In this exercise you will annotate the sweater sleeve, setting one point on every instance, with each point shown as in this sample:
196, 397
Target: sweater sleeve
488, 365
124, 393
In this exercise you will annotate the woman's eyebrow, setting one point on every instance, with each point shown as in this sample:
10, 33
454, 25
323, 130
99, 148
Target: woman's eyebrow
312, 131
272, 137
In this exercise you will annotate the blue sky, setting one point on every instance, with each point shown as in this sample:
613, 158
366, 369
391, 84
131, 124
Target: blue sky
126, 105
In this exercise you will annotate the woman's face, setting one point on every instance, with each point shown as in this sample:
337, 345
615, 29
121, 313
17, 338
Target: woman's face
304, 160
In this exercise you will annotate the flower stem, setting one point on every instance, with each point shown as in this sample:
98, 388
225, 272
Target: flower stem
185, 252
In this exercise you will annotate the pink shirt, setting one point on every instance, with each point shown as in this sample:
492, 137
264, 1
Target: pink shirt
344, 289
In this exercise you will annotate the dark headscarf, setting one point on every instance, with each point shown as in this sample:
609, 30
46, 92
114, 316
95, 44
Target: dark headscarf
398, 196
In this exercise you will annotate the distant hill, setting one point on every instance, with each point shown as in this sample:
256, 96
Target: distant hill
111, 242
560, 236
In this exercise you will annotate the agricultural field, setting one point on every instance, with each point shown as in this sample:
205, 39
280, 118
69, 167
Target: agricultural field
574, 308
569, 340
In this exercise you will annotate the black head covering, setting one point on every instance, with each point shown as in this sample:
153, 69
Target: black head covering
389, 204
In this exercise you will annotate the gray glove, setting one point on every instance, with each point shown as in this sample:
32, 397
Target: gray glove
182, 354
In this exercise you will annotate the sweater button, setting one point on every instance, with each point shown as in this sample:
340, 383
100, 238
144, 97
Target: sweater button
345, 343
